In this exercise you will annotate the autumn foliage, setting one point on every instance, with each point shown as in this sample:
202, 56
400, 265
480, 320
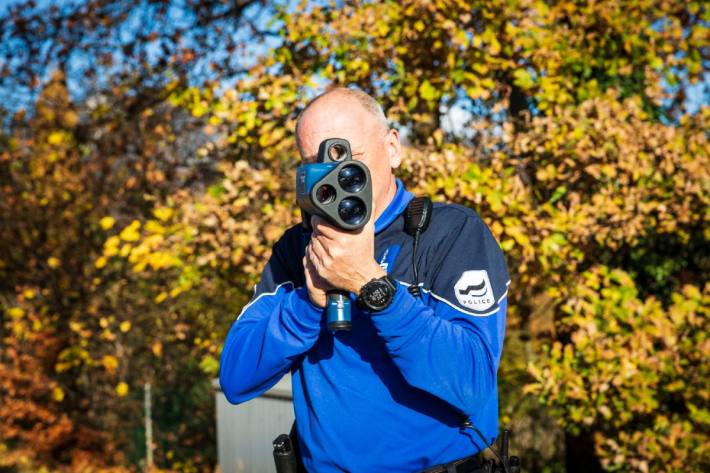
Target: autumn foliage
137, 214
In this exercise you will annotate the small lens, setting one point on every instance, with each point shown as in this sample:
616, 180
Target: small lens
351, 179
337, 152
352, 210
325, 194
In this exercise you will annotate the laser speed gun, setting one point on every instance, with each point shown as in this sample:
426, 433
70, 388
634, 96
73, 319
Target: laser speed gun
339, 189
335, 187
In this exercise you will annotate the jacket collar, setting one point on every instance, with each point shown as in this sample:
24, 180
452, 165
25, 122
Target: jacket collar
396, 206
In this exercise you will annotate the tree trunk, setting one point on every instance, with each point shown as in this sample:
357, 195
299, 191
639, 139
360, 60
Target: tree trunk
579, 454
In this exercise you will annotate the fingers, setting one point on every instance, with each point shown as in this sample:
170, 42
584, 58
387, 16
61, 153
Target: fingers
319, 250
308, 269
316, 255
315, 292
309, 263
311, 272
322, 228
313, 278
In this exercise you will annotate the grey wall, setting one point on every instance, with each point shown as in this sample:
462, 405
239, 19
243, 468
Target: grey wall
245, 432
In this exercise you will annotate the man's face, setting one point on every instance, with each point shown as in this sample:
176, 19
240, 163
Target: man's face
370, 142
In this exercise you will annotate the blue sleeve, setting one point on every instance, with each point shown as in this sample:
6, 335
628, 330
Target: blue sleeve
449, 342
278, 325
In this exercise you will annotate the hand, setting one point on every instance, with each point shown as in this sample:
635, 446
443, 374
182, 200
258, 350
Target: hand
343, 259
317, 287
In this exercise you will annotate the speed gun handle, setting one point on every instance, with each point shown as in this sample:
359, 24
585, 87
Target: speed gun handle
338, 310
284, 456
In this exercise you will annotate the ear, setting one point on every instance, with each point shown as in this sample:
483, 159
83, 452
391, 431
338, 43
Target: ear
393, 147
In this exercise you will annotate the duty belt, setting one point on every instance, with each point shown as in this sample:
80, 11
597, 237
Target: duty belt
470, 464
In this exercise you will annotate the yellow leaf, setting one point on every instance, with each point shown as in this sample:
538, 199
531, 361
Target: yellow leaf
476, 92
157, 349
29, 294
605, 411
154, 227
58, 394
161, 297
122, 389
112, 242
16, 312
125, 326
55, 138
427, 91
199, 110
109, 362
53, 262
130, 233
107, 222
163, 213
125, 250
382, 28
100, 262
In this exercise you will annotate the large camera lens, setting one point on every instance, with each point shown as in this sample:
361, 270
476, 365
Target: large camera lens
351, 178
337, 152
325, 194
352, 210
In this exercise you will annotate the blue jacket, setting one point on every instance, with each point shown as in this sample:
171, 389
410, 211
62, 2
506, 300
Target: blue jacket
388, 395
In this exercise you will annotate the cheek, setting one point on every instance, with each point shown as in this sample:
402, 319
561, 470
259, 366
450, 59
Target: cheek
380, 172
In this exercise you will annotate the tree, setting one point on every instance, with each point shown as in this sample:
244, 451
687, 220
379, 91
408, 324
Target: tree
579, 150
75, 345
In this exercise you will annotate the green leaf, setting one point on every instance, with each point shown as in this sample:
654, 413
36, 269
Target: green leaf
427, 91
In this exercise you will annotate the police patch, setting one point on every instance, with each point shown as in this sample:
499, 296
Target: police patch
473, 290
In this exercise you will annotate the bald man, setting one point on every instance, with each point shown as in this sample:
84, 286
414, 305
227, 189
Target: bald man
399, 391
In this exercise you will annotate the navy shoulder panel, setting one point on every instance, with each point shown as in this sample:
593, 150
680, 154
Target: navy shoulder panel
285, 263
466, 267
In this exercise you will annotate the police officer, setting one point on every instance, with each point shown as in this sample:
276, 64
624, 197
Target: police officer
390, 394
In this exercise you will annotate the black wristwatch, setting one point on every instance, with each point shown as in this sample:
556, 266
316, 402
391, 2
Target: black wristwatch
377, 294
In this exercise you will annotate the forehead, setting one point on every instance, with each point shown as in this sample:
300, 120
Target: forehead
334, 118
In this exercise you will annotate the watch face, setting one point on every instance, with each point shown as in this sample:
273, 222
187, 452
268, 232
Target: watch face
378, 295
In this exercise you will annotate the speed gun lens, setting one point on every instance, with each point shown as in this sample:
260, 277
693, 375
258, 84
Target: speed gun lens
352, 210
351, 179
325, 194
337, 152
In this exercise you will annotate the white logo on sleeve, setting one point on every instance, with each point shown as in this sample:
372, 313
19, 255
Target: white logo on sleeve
473, 290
